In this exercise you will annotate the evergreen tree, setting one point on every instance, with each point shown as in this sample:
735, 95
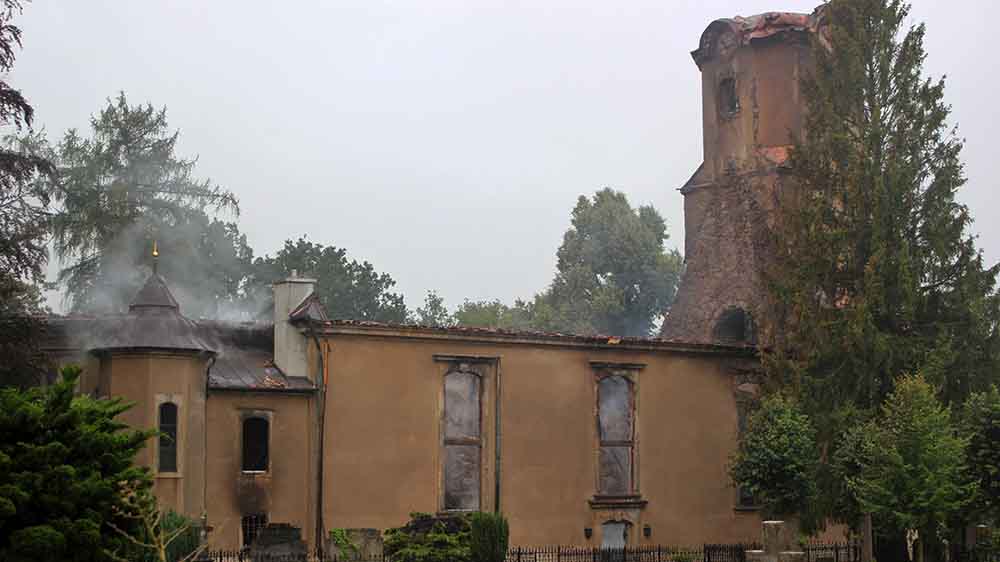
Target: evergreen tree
877, 274
24, 222
121, 189
981, 426
66, 474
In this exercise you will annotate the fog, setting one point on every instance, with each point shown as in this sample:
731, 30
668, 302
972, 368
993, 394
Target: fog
444, 141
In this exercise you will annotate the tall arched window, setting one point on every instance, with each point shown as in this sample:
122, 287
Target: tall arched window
462, 441
256, 434
168, 437
616, 431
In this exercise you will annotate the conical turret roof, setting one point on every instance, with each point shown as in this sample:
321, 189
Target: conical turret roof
153, 322
154, 294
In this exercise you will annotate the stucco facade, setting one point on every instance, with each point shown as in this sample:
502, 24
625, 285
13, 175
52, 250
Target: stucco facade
360, 438
337, 424
384, 439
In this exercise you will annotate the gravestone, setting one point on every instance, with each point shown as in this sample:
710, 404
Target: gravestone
279, 541
777, 545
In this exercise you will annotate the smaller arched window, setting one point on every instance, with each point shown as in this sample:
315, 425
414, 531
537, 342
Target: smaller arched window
168, 437
735, 326
256, 435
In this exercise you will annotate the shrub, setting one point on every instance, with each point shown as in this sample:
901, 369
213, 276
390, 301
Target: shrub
429, 539
488, 537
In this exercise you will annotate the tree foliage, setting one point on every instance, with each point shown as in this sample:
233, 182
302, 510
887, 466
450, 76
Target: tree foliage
66, 474
434, 312
878, 274
613, 274
981, 426
24, 221
120, 189
430, 539
913, 476
349, 289
778, 458
495, 314
488, 537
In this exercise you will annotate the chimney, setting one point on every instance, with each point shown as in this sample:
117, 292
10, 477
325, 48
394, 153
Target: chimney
290, 345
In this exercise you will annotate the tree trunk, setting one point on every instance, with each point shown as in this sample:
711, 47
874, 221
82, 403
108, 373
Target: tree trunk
867, 546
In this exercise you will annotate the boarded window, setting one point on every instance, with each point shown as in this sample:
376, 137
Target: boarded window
255, 444
462, 441
616, 429
614, 534
168, 437
251, 527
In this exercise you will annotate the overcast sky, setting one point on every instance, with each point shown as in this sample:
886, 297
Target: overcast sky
445, 141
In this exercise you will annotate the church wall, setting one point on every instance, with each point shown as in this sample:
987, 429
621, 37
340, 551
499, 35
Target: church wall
383, 449
149, 380
284, 492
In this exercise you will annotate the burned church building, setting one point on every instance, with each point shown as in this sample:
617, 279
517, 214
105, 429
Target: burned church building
579, 440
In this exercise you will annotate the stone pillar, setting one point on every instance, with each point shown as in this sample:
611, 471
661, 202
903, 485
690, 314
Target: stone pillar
778, 545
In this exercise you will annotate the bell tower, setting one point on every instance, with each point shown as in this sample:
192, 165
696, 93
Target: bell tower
751, 110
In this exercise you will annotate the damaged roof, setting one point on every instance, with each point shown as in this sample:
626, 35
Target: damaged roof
497, 335
748, 29
245, 361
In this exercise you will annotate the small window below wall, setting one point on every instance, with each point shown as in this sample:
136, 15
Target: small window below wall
256, 436
167, 449
251, 527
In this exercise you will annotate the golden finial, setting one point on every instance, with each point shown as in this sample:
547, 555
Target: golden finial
156, 256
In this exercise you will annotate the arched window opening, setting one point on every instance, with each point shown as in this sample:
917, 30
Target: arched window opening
168, 437
729, 100
462, 441
735, 326
251, 527
256, 433
616, 429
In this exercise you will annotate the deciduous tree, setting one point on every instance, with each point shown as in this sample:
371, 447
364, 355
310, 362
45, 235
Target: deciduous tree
614, 275
778, 460
914, 475
349, 289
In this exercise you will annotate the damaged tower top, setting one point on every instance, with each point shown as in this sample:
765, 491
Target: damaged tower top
751, 108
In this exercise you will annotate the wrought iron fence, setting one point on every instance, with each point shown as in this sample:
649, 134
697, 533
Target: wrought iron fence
708, 553
832, 551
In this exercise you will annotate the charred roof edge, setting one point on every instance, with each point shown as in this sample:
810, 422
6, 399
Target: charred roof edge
335, 328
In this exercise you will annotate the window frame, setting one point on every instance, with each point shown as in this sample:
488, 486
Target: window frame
467, 369
245, 417
176, 437
630, 373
